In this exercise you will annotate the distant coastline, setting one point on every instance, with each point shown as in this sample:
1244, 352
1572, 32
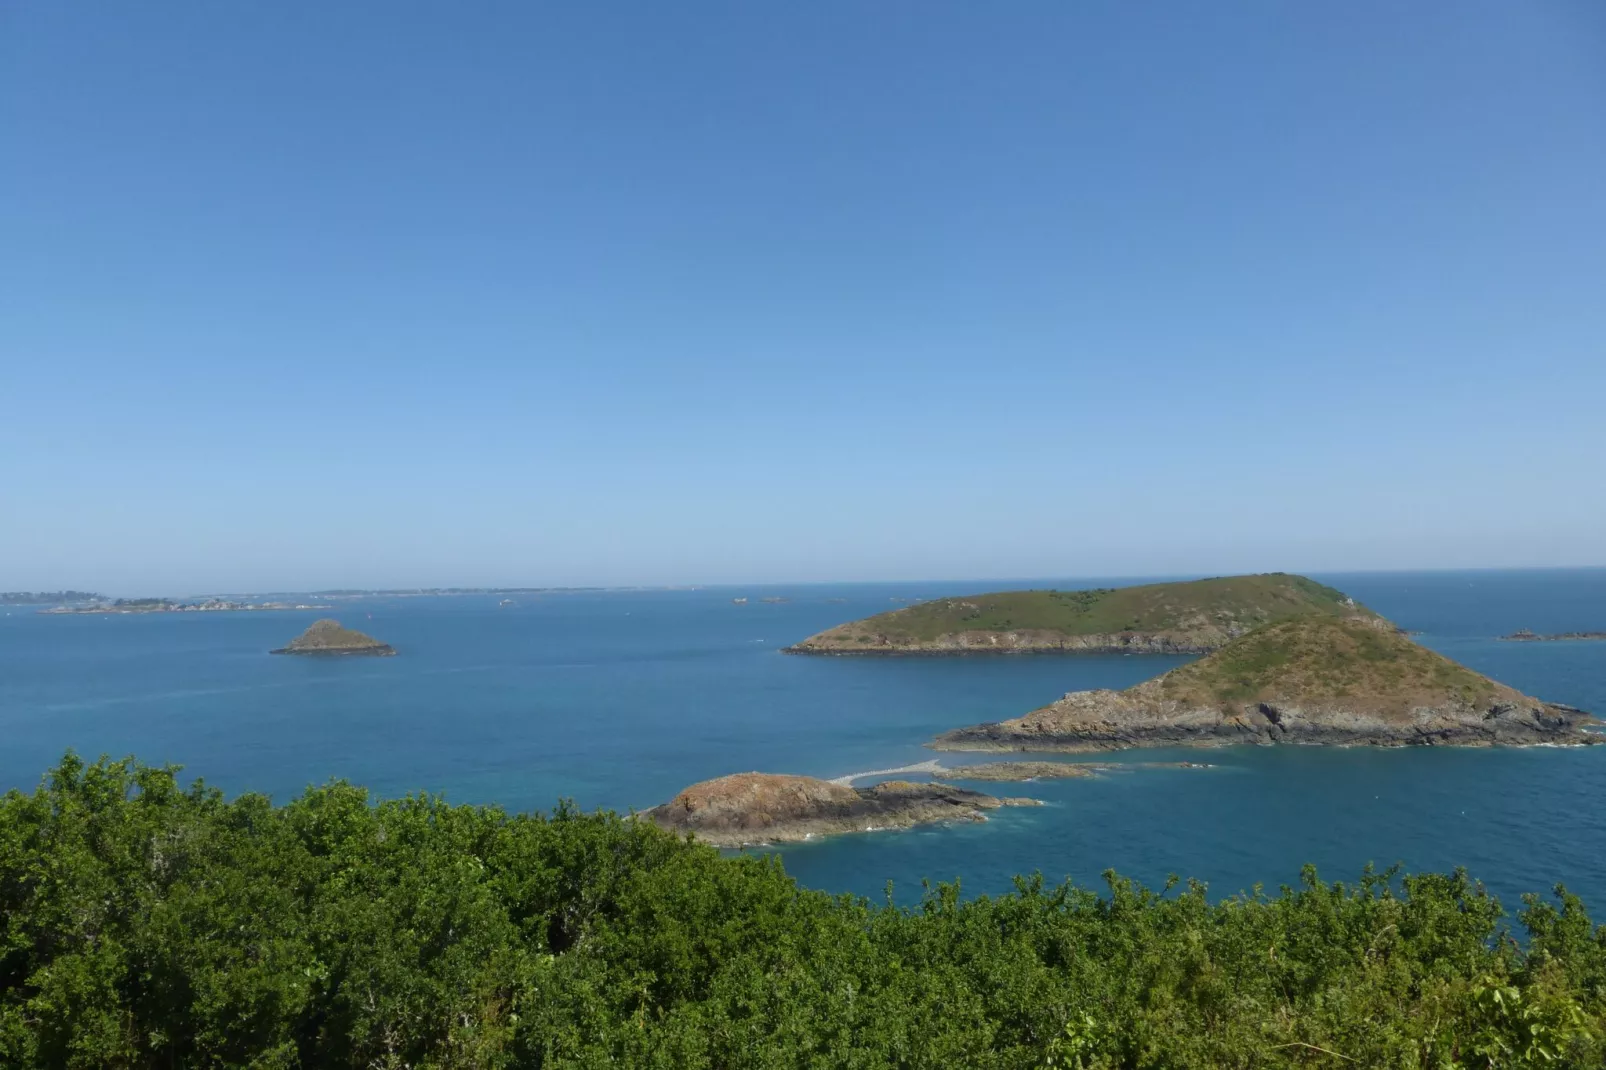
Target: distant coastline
413, 592
47, 598
168, 605
86, 602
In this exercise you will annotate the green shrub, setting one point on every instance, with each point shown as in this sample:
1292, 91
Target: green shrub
143, 924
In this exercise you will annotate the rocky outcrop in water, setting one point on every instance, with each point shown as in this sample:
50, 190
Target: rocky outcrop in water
1042, 770
1006, 771
1523, 635
327, 637
758, 808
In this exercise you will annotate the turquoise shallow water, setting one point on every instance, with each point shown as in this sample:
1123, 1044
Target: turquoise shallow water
619, 699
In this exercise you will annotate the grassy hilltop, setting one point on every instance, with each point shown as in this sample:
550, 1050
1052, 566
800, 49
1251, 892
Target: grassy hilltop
1190, 617
1299, 659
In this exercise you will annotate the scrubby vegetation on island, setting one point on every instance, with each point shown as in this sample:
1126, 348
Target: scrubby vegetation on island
1329, 659
328, 637
1186, 617
145, 924
1312, 679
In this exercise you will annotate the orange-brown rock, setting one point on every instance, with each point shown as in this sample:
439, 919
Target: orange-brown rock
756, 808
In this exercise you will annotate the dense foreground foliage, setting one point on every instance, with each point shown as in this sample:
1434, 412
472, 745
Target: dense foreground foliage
146, 925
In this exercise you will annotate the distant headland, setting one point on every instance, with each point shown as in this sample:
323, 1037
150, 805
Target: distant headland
1194, 617
47, 598
1310, 680
327, 637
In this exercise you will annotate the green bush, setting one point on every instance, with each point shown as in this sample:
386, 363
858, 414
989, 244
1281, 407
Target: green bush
143, 924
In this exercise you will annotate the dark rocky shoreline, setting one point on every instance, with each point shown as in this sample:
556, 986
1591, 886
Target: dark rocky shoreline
1103, 723
1054, 770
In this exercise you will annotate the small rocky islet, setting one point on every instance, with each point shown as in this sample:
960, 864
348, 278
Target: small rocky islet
756, 809
752, 809
327, 638
1523, 635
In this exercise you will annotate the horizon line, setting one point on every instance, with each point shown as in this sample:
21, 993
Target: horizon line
349, 592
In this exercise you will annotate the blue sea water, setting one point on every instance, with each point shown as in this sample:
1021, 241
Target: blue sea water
620, 698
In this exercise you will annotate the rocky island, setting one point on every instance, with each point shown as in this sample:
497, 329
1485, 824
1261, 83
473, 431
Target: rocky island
1523, 635
1161, 618
746, 809
328, 638
1311, 680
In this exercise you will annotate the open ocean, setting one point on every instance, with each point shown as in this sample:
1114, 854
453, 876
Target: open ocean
620, 698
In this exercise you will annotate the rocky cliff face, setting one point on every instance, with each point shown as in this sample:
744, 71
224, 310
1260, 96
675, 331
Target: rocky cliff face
1311, 681
758, 808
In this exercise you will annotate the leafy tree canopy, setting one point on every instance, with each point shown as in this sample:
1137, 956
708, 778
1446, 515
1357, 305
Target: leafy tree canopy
146, 924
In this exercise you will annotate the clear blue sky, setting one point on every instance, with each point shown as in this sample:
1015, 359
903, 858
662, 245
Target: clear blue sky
380, 293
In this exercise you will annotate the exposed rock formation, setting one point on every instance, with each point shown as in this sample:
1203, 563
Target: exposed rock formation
328, 637
1041, 770
1161, 618
1002, 771
1315, 680
1523, 635
757, 808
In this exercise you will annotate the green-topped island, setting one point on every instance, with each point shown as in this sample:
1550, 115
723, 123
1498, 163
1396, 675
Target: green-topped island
1193, 617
